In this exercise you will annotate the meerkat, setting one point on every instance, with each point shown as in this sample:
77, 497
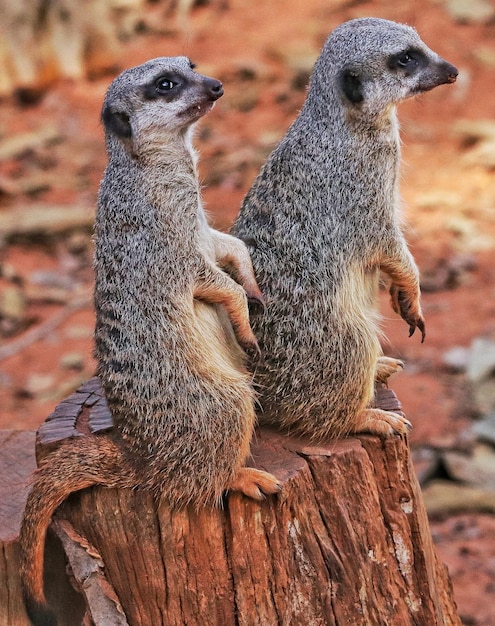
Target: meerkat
168, 322
322, 219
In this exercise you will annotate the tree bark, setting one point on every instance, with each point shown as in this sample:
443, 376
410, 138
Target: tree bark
16, 464
346, 541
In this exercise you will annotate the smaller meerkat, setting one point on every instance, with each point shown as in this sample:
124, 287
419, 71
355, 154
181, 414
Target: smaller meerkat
322, 219
169, 322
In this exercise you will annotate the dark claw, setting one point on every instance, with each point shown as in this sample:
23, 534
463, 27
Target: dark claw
421, 325
397, 432
252, 348
256, 302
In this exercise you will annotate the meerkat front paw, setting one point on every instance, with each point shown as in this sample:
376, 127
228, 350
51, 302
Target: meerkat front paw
231, 253
215, 287
380, 422
385, 367
409, 309
255, 483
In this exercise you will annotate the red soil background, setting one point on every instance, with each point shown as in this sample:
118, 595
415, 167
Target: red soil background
263, 53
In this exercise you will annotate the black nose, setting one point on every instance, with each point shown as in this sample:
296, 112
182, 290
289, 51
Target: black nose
452, 73
213, 88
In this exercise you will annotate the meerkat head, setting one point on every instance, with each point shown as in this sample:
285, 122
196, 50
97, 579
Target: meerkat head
376, 63
156, 101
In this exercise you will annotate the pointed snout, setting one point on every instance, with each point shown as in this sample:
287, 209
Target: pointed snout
213, 88
436, 73
450, 72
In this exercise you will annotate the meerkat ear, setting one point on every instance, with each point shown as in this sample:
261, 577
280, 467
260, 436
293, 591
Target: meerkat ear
351, 85
116, 122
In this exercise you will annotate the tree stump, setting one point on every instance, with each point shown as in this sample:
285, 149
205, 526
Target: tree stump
346, 541
16, 464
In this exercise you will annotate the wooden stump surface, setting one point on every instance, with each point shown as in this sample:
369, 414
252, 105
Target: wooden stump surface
346, 541
17, 462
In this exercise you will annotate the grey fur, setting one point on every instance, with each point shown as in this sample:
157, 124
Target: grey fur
172, 370
168, 356
322, 219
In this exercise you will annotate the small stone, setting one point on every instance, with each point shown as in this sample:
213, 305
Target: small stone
49, 278
38, 383
78, 332
468, 235
270, 138
474, 130
251, 69
480, 373
245, 99
78, 243
12, 303
456, 359
486, 55
484, 430
476, 469
9, 272
17, 144
434, 199
72, 361
482, 154
468, 11
45, 219
443, 497
481, 362
484, 396
297, 56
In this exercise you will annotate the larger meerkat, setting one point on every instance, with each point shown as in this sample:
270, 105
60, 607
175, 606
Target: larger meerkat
321, 220
167, 322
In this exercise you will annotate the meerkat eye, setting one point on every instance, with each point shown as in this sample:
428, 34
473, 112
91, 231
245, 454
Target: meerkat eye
164, 85
408, 61
405, 59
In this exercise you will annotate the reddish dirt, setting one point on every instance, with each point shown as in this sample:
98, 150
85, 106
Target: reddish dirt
261, 56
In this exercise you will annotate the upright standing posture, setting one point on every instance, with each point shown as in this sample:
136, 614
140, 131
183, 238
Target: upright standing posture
321, 220
167, 319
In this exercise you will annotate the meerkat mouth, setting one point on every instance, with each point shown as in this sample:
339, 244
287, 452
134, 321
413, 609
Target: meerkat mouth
199, 109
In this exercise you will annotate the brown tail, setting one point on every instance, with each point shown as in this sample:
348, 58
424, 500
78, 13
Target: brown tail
77, 464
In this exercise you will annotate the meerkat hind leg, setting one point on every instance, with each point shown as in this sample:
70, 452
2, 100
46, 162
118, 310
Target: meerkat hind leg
255, 483
385, 367
380, 422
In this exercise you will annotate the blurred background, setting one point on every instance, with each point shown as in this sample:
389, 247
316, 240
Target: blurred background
57, 58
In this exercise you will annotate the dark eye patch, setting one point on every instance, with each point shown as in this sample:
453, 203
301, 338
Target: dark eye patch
166, 86
408, 61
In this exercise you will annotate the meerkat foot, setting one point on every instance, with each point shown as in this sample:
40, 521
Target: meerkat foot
255, 483
408, 307
380, 422
385, 367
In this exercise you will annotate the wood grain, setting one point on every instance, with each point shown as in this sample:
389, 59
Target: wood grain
347, 540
